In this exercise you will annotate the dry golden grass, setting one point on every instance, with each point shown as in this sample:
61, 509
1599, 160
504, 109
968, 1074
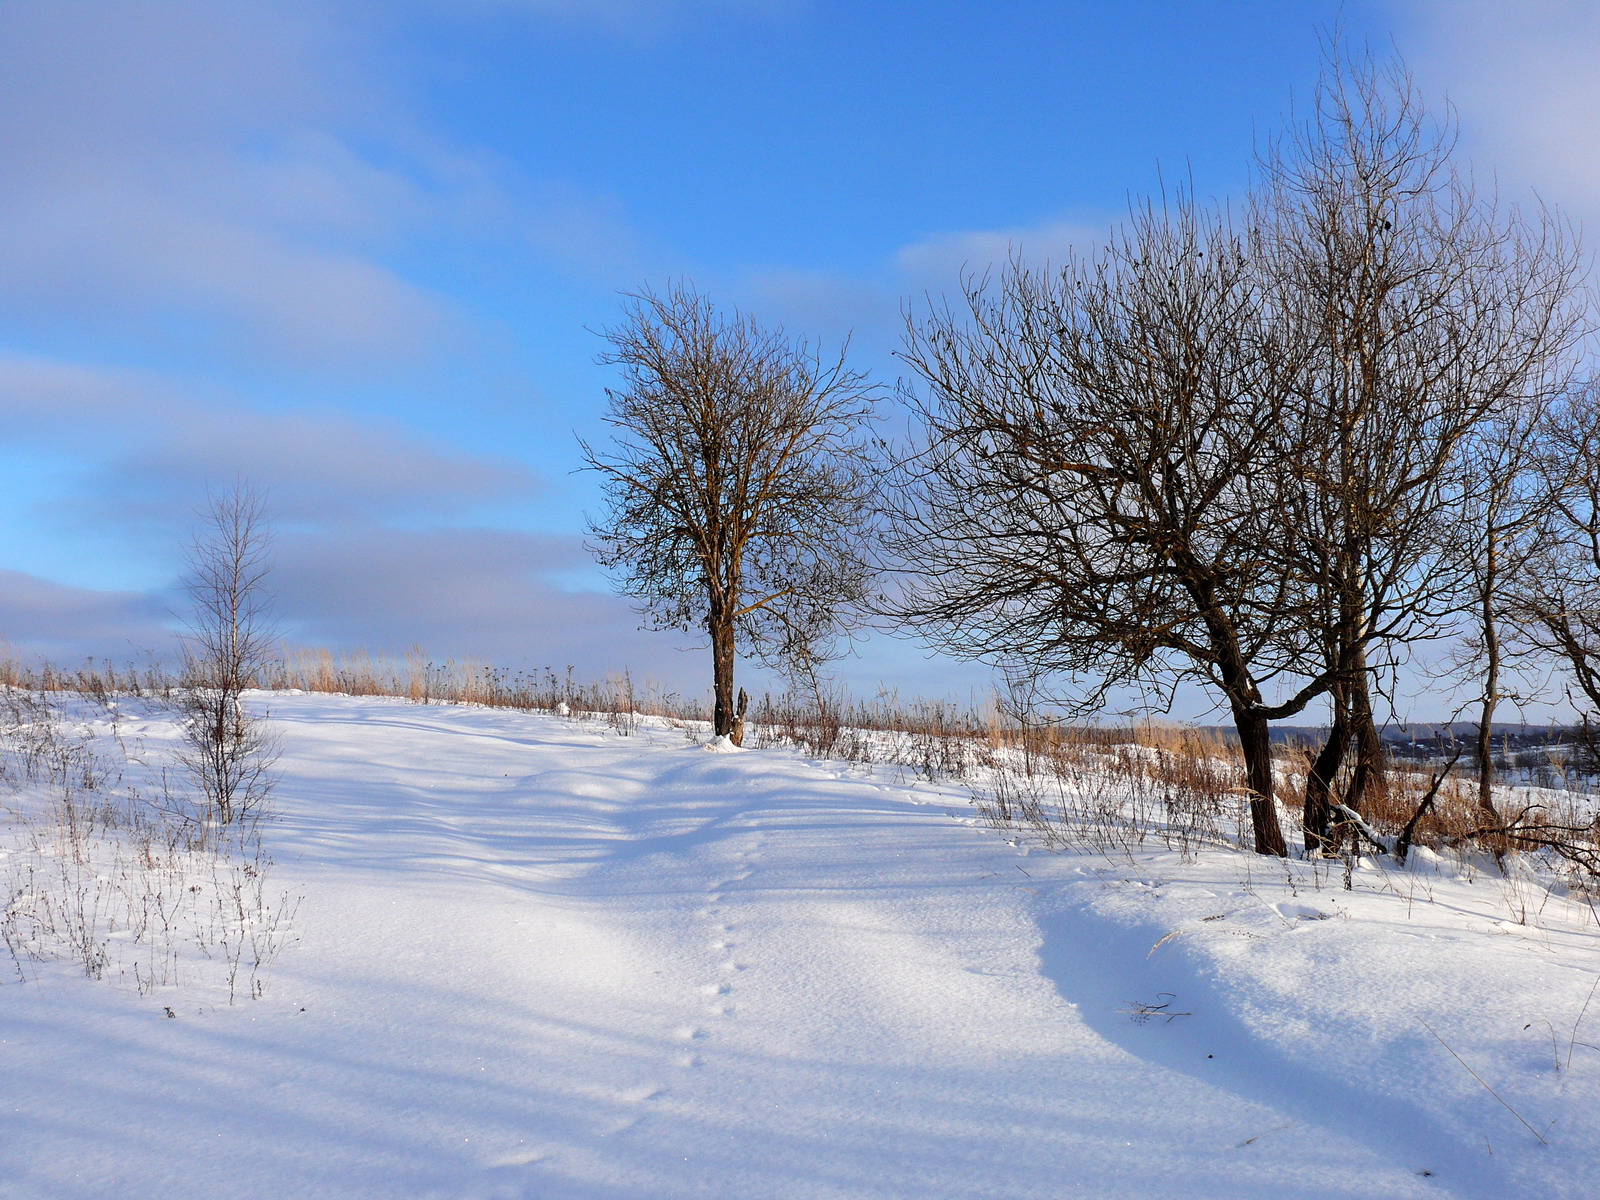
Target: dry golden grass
1065, 782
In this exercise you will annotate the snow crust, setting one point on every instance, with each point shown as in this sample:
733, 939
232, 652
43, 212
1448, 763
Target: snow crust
536, 959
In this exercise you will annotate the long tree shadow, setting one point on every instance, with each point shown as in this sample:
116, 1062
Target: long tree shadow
1148, 994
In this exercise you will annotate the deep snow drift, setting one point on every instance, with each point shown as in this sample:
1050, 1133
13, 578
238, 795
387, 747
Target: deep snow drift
537, 959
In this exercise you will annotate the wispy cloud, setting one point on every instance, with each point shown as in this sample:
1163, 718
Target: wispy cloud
466, 592
375, 544
61, 623
188, 172
231, 190
149, 446
870, 306
590, 233
938, 262
1523, 78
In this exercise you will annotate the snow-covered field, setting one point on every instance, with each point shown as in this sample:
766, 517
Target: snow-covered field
533, 958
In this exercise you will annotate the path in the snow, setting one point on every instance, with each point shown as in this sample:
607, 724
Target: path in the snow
537, 959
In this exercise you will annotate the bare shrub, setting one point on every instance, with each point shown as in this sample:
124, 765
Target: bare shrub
230, 642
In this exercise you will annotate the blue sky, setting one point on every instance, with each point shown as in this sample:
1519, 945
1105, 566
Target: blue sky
354, 252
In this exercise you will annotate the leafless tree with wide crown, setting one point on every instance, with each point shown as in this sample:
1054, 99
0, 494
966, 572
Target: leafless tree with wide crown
738, 485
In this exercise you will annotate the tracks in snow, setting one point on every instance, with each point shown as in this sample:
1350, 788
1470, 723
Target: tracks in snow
750, 975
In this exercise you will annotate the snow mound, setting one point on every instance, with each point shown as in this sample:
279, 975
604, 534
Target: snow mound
723, 744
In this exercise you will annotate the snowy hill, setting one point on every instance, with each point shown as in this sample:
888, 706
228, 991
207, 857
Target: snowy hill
533, 958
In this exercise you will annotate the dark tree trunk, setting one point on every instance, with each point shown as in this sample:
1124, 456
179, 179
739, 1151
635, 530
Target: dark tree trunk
1249, 722
1324, 770
1484, 752
1489, 701
1491, 686
1368, 775
1256, 745
724, 717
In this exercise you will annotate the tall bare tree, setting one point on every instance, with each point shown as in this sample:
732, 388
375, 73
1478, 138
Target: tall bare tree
1434, 315
229, 640
1509, 518
737, 485
1556, 598
1098, 492
1242, 458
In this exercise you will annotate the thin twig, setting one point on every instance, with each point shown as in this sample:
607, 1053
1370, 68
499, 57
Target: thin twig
1402, 844
1573, 1041
1486, 1087
1262, 1134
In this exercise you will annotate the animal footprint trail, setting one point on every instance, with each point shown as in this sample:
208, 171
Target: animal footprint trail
723, 965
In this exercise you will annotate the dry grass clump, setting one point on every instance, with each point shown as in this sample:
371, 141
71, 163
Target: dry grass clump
1395, 796
1442, 810
935, 739
98, 680
1117, 789
1102, 787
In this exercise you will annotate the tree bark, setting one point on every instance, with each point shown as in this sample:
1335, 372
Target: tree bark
1484, 750
1369, 770
1491, 681
1490, 699
724, 719
1318, 811
1256, 745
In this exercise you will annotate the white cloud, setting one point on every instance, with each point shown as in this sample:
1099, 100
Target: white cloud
588, 231
222, 187
468, 592
156, 265
870, 308
227, 179
52, 621
349, 571
150, 447
938, 262
460, 593
1524, 81
185, 170
828, 304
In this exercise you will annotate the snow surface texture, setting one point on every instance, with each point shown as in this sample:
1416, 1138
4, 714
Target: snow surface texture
537, 959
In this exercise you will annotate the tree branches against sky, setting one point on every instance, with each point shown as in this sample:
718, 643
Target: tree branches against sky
350, 249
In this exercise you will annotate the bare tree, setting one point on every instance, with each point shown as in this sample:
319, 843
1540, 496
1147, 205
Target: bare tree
737, 486
1098, 489
1506, 524
1434, 315
1556, 599
1242, 458
229, 640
